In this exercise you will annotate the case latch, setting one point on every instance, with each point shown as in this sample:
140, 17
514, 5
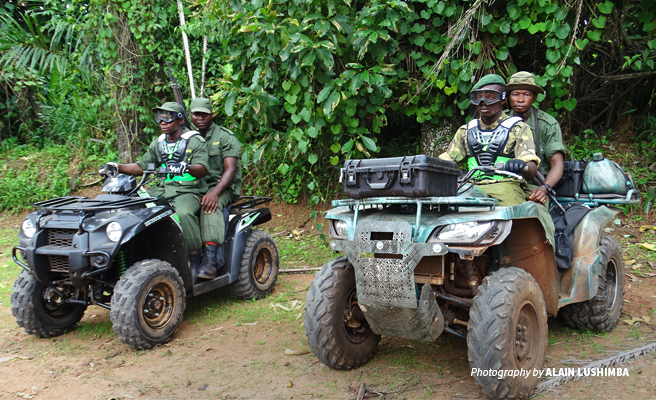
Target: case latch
406, 170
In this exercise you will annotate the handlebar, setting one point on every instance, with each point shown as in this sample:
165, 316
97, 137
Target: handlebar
488, 171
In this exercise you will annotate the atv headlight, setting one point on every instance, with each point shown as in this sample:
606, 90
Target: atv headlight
463, 232
114, 231
340, 229
28, 228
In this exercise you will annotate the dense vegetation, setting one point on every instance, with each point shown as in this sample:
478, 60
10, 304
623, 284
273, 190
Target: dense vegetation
306, 84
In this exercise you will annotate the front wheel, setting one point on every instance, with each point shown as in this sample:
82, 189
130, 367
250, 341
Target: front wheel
337, 331
147, 304
507, 332
40, 310
602, 312
259, 267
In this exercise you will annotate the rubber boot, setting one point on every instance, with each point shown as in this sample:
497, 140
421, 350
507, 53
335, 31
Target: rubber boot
207, 269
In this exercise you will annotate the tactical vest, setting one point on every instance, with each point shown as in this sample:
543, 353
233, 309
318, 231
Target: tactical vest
486, 146
176, 154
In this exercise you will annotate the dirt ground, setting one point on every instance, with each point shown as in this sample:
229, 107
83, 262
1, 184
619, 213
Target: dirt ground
258, 350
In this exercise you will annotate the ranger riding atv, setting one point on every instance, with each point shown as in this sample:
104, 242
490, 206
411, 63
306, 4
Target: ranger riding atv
126, 253
418, 265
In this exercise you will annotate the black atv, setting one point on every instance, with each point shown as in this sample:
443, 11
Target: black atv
124, 251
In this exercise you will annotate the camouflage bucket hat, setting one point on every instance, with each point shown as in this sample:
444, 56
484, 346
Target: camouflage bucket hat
523, 80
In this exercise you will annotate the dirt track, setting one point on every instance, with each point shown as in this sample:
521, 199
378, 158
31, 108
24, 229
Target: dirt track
237, 350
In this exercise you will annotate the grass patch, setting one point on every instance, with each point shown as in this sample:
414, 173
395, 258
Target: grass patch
28, 175
8, 268
303, 251
88, 330
216, 308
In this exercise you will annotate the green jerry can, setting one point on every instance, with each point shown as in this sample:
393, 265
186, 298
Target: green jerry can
603, 176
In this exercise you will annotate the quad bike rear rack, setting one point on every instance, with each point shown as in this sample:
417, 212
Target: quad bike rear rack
249, 202
595, 200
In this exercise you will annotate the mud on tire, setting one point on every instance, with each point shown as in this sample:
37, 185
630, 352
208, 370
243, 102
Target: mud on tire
507, 331
602, 312
36, 314
330, 308
259, 267
147, 304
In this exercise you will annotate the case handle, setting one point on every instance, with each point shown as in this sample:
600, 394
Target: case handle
382, 184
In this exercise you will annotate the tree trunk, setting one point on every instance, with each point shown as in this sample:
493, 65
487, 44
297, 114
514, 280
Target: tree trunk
126, 83
435, 138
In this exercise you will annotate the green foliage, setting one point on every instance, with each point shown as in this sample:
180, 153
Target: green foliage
307, 84
582, 148
28, 175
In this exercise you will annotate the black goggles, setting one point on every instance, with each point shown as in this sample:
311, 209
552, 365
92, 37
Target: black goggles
166, 116
487, 96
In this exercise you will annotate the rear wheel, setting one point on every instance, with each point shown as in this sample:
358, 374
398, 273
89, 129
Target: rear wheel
147, 304
507, 331
259, 267
602, 312
337, 331
40, 310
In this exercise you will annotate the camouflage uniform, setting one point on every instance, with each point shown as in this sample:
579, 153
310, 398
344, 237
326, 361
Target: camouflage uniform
520, 145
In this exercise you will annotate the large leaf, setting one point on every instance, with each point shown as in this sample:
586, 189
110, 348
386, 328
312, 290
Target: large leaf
368, 143
606, 7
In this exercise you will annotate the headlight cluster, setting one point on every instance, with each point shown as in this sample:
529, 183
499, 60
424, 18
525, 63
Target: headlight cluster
114, 231
28, 228
339, 229
481, 233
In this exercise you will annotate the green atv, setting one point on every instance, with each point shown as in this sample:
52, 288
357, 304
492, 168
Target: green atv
417, 267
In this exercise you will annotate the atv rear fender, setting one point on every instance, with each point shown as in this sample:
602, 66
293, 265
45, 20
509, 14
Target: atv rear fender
239, 229
581, 281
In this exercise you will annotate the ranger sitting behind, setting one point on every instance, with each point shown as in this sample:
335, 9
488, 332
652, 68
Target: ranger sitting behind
223, 179
548, 138
495, 137
185, 155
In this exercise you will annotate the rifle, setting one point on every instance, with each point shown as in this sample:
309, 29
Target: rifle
178, 95
540, 180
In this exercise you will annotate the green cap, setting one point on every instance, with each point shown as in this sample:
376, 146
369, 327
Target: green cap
170, 106
523, 80
201, 104
489, 79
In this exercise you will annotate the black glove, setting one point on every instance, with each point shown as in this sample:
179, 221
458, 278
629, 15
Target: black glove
177, 168
515, 165
109, 169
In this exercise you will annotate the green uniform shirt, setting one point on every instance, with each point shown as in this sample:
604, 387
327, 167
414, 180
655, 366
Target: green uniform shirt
551, 138
520, 142
195, 153
222, 143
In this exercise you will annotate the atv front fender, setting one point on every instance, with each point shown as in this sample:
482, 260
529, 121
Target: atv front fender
581, 281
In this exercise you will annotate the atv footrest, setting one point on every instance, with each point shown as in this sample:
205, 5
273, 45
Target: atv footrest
215, 283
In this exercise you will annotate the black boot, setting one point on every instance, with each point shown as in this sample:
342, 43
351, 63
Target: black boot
207, 268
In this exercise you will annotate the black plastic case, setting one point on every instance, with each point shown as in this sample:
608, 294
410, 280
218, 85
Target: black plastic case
413, 176
570, 183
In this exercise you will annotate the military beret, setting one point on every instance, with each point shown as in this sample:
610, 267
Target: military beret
170, 106
489, 79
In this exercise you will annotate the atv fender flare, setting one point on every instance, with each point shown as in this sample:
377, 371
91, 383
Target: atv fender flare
147, 217
160, 218
239, 229
581, 281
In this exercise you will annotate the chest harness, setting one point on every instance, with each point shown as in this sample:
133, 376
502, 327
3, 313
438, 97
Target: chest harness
175, 152
486, 146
